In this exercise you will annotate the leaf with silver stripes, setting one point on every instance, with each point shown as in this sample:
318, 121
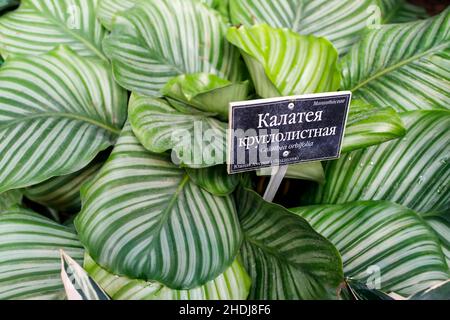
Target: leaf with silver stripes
367, 126
77, 283
63, 193
340, 21
149, 45
284, 63
38, 26
233, 284
31, 265
440, 223
108, 9
57, 111
195, 138
144, 218
381, 243
440, 291
413, 171
284, 256
405, 66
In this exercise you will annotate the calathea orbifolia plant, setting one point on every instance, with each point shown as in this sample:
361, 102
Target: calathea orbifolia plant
137, 184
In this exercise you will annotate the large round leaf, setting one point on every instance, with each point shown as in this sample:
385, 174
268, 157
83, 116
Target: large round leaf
405, 66
340, 21
57, 111
30, 263
283, 63
284, 256
413, 171
233, 284
144, 218
40, 25
382, 243
149, 44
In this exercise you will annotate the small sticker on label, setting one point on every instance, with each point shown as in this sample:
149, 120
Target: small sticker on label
287, 130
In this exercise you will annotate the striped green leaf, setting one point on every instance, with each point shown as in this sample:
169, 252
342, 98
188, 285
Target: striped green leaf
367, 126
283, 63
284, 256
40, 25
340, 21
413, 171
215, 180
77, 283
108, 9
144, 218
440, 291
440, 223
9, 199
149, 44
63, 193
206, 92
405, 66
196, 138
233, 284
382, 244
57, 111
30, 263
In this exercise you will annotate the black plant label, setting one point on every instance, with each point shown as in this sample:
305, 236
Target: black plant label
287, 130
